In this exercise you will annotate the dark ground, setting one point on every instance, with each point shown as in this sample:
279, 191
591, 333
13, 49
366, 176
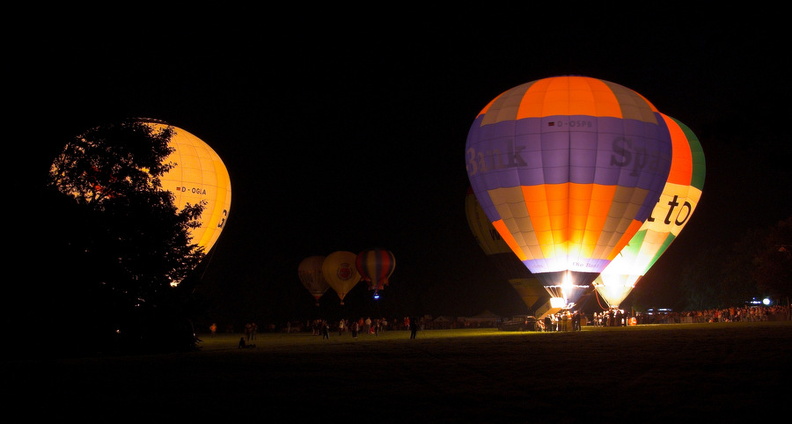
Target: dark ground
648, 373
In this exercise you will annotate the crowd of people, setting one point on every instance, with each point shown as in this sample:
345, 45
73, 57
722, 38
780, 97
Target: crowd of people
731, 314
561, 321
753, 313
355, 327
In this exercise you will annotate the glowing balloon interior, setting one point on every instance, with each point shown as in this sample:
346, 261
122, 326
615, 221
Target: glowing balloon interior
198, 175
339, 270
672, 212
310, 272
566, 170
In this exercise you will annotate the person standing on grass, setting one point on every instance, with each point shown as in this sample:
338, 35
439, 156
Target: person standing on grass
413, 328
325, 330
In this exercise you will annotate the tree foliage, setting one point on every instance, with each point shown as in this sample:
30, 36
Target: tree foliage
772, 264
757, 265
120, 240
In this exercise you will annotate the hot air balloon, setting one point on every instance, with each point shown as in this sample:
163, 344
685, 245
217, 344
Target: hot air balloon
375, 267
528, 287
310, 272
567, 169
339, 270
198, 175
672, 212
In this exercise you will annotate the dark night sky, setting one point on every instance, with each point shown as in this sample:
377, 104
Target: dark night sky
348, 135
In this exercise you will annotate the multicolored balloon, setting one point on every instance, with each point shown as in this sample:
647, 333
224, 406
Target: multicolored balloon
339, 270
310, 272
528, 287
672, 212
567, 169
375, 267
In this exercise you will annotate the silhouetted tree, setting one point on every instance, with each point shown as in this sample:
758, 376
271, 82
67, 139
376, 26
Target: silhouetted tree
700, 279
119, 245
773, 261
737, 283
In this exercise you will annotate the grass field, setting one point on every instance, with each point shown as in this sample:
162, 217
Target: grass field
645, 374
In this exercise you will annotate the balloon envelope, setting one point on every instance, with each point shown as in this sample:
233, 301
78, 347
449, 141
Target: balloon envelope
339, 270
672, 212
198, 175
375, 267
310, 272
566, 170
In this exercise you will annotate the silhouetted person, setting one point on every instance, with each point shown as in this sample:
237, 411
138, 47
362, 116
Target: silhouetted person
413, 328
241, 343
325, 330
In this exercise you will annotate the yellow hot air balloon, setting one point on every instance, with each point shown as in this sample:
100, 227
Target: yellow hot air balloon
199, 175
680, 197
340, 272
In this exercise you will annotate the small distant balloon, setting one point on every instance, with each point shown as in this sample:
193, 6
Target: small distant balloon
375, 267
310, 272
339, 270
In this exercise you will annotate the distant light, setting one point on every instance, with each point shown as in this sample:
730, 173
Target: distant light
376, 295
766, 301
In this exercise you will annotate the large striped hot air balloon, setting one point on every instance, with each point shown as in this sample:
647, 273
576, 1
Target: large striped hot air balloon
375, 267
672, 212
567, 169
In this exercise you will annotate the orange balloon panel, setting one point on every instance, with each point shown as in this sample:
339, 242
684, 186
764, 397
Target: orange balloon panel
199, 175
